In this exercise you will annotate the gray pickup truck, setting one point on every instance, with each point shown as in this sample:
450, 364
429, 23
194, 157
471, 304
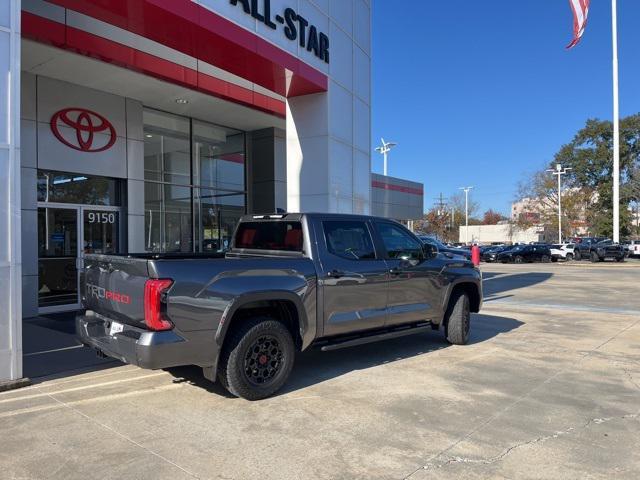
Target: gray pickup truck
288, 283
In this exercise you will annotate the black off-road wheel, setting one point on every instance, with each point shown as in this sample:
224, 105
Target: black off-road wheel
595, 258
257, 358
569, 257
578, 255
545, 259
458, 319
620, 259
518, 259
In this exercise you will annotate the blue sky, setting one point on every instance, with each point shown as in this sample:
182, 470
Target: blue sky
483, 92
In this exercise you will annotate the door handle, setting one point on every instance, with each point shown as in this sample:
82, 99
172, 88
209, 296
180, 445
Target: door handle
336, 274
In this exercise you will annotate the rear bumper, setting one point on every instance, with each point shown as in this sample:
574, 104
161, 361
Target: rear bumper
136, 346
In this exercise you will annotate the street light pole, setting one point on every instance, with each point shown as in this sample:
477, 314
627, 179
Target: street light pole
559, 171
384, 149
466, 212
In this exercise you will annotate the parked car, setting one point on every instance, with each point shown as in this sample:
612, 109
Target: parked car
525, 253
600, 251
442, 248
633, 248
583, 246
562, 252
288, 282
491, 254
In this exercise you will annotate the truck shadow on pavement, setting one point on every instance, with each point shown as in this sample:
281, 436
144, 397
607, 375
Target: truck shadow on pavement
313, 366
494, 283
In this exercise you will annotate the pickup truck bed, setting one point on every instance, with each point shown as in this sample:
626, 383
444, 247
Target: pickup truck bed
289, 282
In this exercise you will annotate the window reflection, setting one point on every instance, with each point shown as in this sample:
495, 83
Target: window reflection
219, 214
182, 155
76, 188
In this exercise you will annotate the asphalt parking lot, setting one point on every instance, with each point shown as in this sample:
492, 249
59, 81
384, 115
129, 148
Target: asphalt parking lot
549, 387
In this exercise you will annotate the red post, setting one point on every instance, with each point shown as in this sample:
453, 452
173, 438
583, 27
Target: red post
475, 255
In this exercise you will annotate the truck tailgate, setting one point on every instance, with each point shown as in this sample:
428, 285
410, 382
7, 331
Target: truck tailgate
113, 286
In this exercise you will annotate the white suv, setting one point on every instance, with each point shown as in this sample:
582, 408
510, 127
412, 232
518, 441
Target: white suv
563, 252
633, 247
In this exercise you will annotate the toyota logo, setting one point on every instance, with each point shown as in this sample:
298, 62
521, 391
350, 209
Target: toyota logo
84, 124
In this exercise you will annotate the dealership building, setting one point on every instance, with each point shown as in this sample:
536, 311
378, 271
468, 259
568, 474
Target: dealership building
146, 126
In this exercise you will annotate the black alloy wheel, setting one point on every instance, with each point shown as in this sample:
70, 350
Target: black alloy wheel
257, 358
545, 259
518, 259
263, 361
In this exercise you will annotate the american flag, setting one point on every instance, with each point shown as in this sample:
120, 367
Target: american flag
580, 12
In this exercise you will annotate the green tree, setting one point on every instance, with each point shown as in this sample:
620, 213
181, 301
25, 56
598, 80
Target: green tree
590, 156
587, 195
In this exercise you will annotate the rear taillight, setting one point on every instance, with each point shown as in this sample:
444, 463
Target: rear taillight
154, 317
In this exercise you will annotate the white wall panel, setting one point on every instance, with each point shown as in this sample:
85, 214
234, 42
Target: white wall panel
340, 169
341, 68
341, 12
341, 113
361, 74
362, 25
361, 125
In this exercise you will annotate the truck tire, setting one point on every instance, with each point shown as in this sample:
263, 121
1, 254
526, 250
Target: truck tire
620, 259
257, 358
569, 257
458, 319
578, 255
518, 259
594, 257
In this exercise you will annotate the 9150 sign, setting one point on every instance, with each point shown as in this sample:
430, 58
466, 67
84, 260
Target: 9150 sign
296, 27
101, 217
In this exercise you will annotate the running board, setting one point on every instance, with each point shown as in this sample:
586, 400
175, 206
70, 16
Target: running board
337, 345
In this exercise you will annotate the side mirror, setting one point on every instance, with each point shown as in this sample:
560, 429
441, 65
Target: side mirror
430, 251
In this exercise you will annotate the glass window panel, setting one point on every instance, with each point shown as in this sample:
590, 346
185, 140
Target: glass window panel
78, 188
100, 229
349, 240
219, 213
219, 156
152, 216
398, 243
178, 219
57, 253
167, 149
168, 218
285, 236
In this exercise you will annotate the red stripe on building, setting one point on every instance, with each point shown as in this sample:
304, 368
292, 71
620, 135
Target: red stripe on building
79, 41
192, 29
397, 188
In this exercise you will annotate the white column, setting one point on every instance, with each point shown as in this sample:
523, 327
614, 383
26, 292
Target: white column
329, 134
10, 226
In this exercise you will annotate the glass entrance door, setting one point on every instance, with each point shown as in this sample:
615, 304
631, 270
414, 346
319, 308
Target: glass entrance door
65, 234
57, 254
101, 232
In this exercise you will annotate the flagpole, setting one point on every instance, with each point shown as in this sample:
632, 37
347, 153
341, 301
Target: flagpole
616, 125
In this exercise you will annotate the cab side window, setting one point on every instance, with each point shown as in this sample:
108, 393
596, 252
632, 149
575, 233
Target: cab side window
350, 240
398, 243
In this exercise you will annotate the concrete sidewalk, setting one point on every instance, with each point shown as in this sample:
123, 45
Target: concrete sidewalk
539, 393
50, 348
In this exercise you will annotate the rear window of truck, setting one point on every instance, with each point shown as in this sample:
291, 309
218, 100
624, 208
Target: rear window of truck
283, 236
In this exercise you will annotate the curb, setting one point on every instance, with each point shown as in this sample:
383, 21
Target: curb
14, 384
